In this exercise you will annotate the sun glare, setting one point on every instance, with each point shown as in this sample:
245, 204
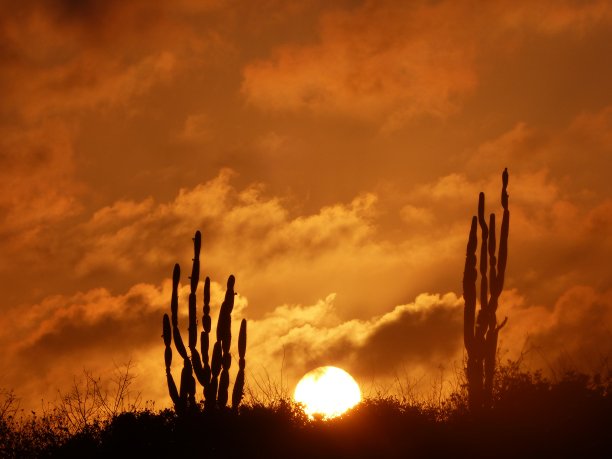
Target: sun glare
327, 391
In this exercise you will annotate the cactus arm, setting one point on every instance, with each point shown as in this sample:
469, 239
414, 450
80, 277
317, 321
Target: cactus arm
176, 275
166, 330
224, 324
503, 252
503, 236
193, 327
205, 375
223, 388
198, 369
216, 360
183, 384
195, 269
229, 293
206, 367
168, 357
483, 252
481, 320
224, 335
206, 322
492, 259
190, 385
238, 391
167, 341
174, 395
176, 334
211, 395
187, 387
498, 286
242, 339
195, 277
178, 342
469, 288
205, 334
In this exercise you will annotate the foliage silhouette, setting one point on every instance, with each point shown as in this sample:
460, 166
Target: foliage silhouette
530, 416
90, 399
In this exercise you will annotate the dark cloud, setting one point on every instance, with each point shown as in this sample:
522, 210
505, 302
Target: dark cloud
565, 339
427, 337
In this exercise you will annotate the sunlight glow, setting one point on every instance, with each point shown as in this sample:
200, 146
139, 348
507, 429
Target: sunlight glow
327, 391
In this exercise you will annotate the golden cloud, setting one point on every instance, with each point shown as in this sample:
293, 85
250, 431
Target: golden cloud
379, 61
389, 62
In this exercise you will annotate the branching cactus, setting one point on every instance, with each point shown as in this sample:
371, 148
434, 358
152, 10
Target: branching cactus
480, 331
213, 376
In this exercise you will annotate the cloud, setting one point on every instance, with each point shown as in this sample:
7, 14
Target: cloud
278, 255
79, 67
373, 62
272, 143
37, 187
196, 128
419, 334
416, 215
573, 333
390, 63
521, 144
594, 128
77, 64
555, 17
579, 327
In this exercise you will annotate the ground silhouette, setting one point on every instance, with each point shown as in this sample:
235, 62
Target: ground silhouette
531, 417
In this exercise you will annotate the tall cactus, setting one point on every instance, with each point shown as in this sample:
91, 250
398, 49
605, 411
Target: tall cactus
213, 376
480, 331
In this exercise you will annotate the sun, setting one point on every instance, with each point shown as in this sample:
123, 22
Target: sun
327, 391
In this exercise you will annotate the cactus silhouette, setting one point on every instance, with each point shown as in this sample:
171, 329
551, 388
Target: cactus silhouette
213, 376
238, 391
480, 332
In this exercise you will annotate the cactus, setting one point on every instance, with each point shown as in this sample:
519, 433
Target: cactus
213, 376
238, 391
480, 332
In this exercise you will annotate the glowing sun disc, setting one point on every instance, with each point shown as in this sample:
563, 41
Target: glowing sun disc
327, 391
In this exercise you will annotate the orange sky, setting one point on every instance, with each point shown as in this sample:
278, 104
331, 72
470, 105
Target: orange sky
331, 153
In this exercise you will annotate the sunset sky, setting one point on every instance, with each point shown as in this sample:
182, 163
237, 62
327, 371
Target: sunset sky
331, 153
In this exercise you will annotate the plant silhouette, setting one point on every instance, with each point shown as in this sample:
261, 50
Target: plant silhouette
213, 376
531, 417
480, 332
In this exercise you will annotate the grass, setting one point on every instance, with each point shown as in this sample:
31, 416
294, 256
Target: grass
532, 417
